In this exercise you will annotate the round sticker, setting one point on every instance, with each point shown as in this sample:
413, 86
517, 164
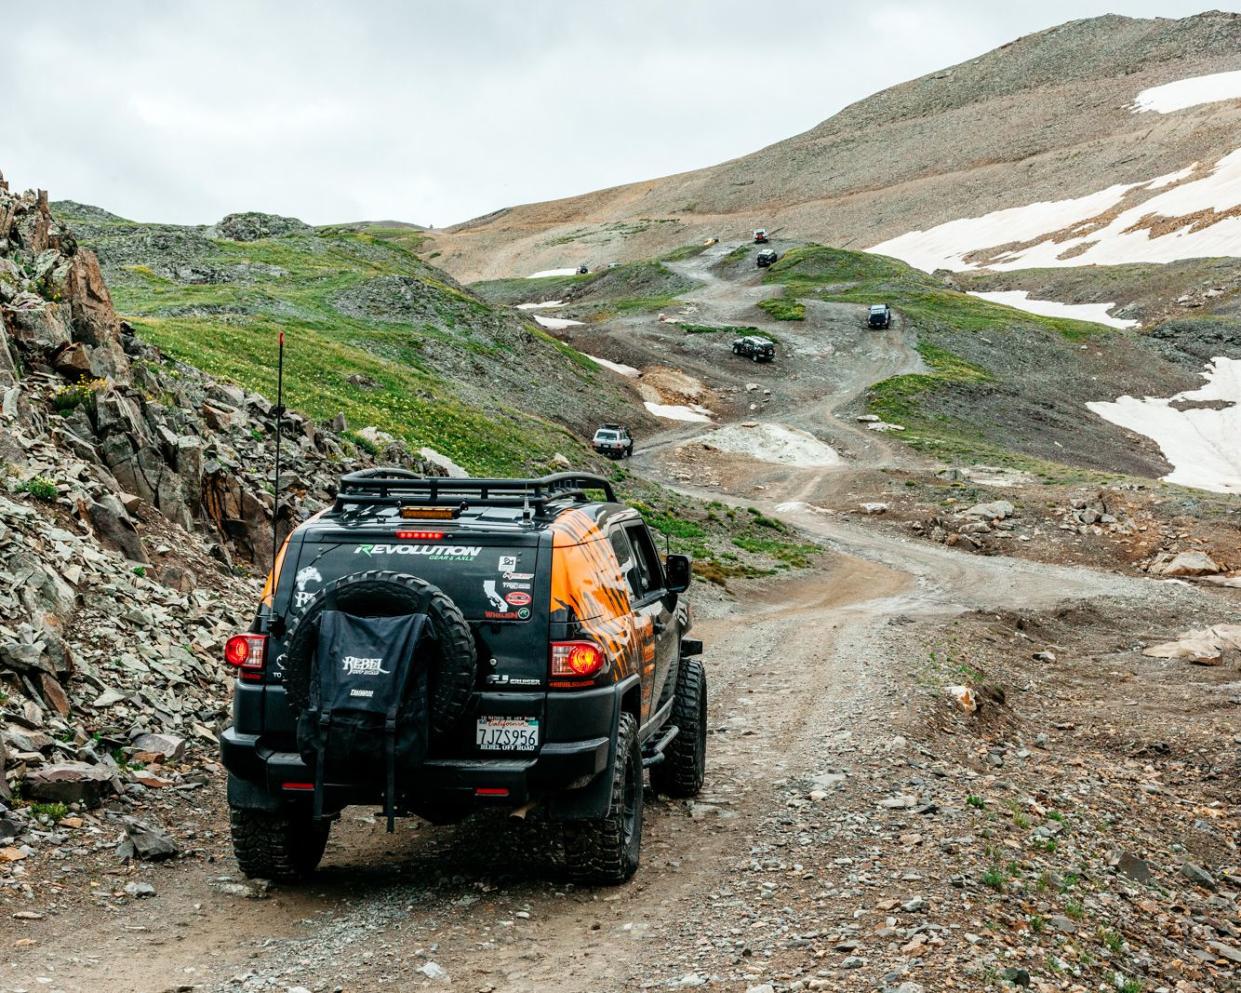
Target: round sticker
517, 598
523, 614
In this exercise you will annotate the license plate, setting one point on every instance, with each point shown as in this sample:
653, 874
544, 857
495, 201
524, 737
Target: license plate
507, 734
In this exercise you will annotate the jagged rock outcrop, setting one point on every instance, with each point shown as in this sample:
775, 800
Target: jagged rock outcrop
136, 493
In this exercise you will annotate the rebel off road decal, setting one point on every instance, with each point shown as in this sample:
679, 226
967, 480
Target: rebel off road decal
441, 553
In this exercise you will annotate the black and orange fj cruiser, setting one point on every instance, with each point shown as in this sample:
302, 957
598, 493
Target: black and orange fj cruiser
436, 645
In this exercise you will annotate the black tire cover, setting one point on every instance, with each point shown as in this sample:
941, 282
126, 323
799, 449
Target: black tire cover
386, 594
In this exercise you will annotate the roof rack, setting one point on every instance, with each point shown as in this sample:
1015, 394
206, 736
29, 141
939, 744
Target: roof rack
397, 487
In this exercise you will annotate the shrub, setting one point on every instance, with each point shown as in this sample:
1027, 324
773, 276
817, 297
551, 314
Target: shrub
40, 487
68, 397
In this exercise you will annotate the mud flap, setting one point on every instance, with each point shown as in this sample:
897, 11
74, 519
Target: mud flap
245, 795
591, 800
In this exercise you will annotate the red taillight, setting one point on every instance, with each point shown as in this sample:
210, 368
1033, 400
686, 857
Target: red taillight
247, 653
576, 659
300, 787
421, 535
491, 791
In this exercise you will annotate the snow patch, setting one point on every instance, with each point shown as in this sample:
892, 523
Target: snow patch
1190, 92
1125, 238
1203, 445
555, 323
552, 272
1096, 312
774, 443
624, 370
540, 306
679, 412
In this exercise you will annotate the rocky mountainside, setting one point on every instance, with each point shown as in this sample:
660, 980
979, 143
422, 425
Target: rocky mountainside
136, 508
1047, 117
374, 332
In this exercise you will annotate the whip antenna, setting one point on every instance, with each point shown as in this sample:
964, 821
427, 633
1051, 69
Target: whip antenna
279, 412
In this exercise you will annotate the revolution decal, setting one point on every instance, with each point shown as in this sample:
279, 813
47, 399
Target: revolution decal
442, 553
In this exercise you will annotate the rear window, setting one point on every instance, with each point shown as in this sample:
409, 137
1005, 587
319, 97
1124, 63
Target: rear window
488, 581
606, 436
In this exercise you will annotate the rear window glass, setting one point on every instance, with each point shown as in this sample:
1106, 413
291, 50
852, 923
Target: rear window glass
487, 582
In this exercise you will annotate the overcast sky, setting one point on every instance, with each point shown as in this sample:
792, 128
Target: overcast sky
435, 112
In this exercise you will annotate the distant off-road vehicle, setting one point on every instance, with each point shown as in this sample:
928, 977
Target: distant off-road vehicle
765, 258
760, 236
614, 441
754, 347
583, 269
437, 646
879, 316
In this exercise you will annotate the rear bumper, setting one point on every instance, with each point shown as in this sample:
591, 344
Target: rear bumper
558, 767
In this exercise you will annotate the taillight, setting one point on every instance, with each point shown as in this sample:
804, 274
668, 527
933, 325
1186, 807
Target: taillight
576, 659
421, 535
247, 653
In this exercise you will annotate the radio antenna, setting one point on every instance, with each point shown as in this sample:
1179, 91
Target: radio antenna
279, 412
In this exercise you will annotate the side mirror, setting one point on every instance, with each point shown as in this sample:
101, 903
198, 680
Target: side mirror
678, 569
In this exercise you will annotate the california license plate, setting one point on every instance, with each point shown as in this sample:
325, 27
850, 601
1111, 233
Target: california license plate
507, 734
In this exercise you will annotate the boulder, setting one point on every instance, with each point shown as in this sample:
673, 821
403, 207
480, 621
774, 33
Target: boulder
158, 747
114, 528
37, 326
72, 362
1193, 563
145, 842
995, 510
72, 782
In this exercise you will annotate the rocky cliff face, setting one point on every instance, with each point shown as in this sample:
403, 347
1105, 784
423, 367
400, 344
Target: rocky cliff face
136, 512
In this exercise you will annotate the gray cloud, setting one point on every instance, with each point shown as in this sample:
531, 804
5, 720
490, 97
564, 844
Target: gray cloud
435, 112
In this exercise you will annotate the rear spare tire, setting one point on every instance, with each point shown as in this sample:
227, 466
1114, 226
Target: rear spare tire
376, 593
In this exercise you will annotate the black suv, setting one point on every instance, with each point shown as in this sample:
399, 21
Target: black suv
439, 645
614, 441
754, 347
879, 316
765, 258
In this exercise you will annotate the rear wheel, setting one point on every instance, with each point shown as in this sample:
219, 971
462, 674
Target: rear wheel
604, 851
684, 767
284, 846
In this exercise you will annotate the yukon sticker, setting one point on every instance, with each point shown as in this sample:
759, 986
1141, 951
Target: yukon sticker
304, 578
507, 563
518, 598
441, 553
355, 666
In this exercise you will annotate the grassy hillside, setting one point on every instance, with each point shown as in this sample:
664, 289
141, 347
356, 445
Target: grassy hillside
372, 332
1000, 385
598, 295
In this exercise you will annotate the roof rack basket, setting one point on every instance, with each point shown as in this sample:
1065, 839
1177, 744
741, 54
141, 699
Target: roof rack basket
399, 487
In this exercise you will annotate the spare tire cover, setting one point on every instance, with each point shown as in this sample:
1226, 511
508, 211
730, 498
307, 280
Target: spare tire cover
385, 594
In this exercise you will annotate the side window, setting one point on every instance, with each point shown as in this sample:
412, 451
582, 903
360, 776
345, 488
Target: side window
649, 569
628, 563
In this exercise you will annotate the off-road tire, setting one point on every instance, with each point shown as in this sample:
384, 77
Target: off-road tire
684, 767
377, 593
285, 847
604, 851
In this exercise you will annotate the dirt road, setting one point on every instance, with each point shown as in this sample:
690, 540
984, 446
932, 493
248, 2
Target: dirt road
801, 693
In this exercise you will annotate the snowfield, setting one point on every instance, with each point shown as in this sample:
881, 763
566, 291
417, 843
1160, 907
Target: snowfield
1203, 445
774, 443
555, 323
624, 370
1190, 92
679, 412
553, 272
1186, 212
1020, 299
540, 306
